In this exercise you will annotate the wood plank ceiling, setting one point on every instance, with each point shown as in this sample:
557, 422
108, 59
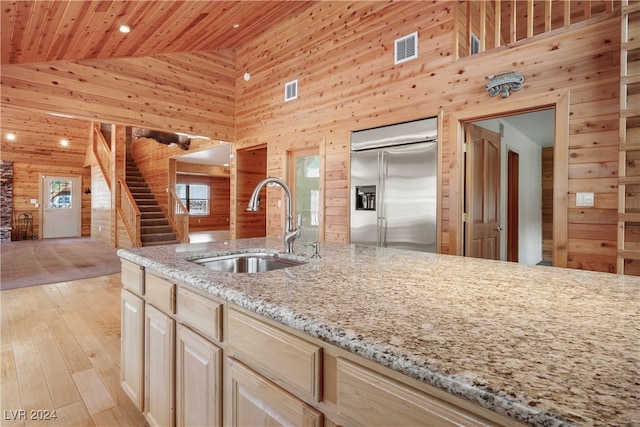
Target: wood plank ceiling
35, 32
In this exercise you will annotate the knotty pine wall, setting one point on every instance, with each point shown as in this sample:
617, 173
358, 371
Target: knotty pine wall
342, 56
182, 92
27, 186
101, 222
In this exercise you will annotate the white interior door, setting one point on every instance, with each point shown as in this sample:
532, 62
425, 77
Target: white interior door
61, 203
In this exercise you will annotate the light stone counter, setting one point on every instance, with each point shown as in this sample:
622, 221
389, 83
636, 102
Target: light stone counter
546, 346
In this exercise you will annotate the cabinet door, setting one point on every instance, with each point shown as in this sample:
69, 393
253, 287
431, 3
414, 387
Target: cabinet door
159, 367
255, 401
132, 347
198, 380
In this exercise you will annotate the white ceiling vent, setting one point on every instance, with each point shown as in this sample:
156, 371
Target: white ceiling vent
406, 48
291, 90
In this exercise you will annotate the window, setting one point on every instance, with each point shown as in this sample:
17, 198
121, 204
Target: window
195, 197
60, 194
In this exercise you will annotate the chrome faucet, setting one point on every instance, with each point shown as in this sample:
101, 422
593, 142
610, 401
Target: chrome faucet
290, 234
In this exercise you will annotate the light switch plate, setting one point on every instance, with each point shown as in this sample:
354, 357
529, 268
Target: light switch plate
584, 199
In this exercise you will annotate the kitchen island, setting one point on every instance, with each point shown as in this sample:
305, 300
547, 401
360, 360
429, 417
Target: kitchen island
540, 345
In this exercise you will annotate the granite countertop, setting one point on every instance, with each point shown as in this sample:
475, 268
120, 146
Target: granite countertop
546, 346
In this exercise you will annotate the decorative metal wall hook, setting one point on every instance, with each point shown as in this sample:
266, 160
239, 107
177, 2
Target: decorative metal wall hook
503, 83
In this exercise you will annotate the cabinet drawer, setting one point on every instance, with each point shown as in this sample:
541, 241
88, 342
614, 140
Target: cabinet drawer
132, 277
200, 312
368, 398
161, 293
287, 360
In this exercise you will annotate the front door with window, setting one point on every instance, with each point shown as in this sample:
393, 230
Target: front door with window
61, 207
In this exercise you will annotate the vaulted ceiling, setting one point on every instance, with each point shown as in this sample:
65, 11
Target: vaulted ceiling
43, 31
83, 36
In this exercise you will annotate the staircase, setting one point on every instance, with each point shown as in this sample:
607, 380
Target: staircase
154, 226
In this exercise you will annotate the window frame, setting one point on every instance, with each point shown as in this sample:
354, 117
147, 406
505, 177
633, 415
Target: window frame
188, 199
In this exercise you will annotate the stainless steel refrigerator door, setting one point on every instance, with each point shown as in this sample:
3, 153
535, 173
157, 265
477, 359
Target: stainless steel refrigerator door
409, 187
364, 220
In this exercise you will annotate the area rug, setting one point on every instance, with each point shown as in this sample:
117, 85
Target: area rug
36, 262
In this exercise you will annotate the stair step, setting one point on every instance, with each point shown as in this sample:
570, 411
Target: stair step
138, 186
156, 229
151, 216
150, 222
150, 209
146, 202
138, 195
160, 243
157, 237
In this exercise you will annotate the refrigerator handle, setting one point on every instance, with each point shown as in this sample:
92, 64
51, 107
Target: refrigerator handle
382, 182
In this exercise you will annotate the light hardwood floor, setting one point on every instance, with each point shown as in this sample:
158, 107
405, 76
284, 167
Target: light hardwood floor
61, 352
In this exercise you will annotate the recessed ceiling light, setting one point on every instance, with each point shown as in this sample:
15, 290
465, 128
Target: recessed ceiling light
64, 142
124, 29
11, 136
236, 25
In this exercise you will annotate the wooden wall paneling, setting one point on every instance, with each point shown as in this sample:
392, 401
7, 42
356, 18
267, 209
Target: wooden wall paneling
27, 187
187, 96
100, 207
367, 90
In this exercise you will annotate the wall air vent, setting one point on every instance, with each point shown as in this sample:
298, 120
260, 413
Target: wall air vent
291, 90
406, 48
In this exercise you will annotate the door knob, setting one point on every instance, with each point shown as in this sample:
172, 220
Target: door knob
499, 229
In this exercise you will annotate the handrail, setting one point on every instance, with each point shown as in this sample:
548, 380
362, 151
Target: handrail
130, 214
102, 151
178, 216
502, 22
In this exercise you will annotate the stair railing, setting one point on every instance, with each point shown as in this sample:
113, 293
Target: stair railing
102, 151
130, 214
178, 217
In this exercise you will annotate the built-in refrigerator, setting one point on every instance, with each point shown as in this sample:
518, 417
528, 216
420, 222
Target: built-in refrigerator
394, 186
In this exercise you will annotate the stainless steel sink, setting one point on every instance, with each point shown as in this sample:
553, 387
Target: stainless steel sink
248, 262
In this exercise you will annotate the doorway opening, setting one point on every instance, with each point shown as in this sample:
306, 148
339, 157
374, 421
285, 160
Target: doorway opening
509, 187
251, 169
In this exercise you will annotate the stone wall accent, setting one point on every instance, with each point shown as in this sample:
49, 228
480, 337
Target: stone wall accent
6, 200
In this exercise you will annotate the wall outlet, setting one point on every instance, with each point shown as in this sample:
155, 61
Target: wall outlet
34, 201
585, 199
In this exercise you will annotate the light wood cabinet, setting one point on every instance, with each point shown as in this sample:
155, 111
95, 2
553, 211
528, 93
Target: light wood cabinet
255, 401
198, 380
159, 386
132, 347
368, 398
